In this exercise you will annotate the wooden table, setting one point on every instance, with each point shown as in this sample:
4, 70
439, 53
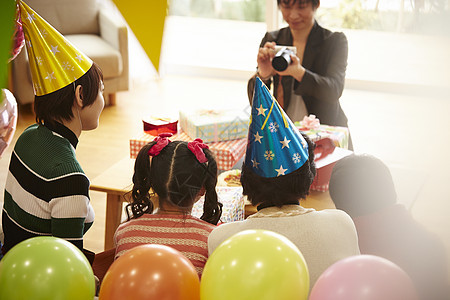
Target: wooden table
116, 183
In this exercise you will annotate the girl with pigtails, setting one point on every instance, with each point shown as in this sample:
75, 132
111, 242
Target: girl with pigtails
174, 175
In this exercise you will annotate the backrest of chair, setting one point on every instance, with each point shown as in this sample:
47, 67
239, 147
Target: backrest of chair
69, 16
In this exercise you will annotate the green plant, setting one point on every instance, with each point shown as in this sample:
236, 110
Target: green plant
254, 10
353, 15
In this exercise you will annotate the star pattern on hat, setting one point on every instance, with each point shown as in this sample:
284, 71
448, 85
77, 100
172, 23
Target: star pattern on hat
30, 17
304, 144
50, 76
258, 137
261, 110
285, 143
255, 163
37, 86
54, 49
275, 146
281, 171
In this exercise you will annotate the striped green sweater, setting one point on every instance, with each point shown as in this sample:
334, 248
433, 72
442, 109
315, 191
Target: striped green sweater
46, 192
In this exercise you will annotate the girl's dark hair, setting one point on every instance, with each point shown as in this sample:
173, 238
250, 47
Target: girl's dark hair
177, 177
57, 106
315, 3
281, 190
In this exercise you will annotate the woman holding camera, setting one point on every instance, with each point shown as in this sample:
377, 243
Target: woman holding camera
314, 79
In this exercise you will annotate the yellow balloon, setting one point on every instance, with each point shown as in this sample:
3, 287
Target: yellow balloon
255, 264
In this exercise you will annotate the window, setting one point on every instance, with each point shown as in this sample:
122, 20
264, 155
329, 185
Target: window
241, 10
391, 42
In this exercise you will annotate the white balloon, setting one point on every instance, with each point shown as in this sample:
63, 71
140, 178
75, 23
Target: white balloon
8, 119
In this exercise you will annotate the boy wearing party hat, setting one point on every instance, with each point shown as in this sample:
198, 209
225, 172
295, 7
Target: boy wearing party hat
277, 173
46, 191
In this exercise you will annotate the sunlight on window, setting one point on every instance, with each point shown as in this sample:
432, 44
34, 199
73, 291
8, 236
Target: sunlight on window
393, 44
242, 10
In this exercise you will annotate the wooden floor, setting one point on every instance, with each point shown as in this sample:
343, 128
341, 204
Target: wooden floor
409, 133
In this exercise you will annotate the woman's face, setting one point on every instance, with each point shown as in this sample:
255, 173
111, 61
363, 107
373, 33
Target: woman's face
90, 115
298, 15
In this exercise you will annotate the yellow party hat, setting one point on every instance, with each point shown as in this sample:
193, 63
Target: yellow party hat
54, 61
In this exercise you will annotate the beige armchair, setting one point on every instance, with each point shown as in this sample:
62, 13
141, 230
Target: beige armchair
93, 30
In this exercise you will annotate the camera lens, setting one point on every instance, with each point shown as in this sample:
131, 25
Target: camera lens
282, 59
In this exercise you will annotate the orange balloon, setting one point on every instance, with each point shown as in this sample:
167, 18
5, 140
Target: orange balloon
151, 272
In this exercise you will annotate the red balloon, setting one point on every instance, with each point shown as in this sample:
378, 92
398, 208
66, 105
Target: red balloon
151, 272
363, 277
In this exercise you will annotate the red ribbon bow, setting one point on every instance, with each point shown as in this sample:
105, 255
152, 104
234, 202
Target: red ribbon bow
161, 142
197, 146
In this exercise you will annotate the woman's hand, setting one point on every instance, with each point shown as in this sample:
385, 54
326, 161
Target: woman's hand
295, 69
264, 59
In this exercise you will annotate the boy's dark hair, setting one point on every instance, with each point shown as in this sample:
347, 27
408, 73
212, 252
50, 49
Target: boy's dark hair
57, 106
361, 184
315, 3
281, 190
177, 177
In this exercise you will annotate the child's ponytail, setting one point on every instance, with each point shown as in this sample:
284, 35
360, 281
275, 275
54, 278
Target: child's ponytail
140, 195
212, 208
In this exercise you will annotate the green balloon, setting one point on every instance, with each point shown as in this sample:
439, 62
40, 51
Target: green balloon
7, 19
255, 264
46, 268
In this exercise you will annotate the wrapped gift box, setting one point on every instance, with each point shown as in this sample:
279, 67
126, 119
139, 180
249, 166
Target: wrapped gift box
233, 204
227, 153
155, 126
324, 167
339, 135
215, 125
331, 145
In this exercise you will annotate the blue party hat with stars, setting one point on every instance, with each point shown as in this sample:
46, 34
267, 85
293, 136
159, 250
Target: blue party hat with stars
275, 147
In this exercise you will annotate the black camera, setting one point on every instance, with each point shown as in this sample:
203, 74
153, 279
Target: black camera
282, 59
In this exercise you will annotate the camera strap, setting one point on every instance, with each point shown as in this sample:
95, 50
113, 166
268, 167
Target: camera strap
280, 92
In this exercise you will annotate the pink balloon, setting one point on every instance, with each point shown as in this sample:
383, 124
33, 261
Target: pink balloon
363, 277
18, 37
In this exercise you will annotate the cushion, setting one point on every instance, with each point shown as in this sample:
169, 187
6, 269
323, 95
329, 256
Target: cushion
69, 16
108, 58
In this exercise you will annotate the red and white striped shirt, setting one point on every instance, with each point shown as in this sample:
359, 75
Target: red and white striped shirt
187, 234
